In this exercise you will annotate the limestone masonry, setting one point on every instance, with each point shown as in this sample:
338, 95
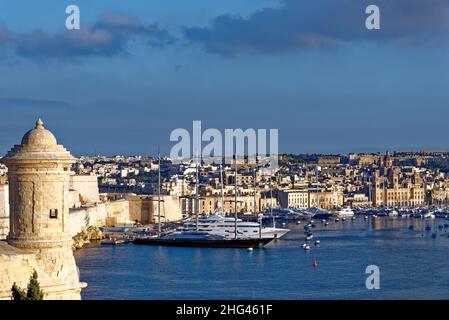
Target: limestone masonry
4, 210
39, 235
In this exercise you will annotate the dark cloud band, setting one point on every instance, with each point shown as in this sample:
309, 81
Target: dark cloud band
109, 36
304, 24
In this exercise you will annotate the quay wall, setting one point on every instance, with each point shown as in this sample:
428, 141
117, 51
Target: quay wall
99, 214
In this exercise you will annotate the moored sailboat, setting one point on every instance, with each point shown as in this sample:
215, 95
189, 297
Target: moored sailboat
200, 235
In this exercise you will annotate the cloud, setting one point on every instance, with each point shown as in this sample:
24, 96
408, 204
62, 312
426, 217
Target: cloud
7, 102
303, 24
109, 36
5, 39
125, 26
5, 34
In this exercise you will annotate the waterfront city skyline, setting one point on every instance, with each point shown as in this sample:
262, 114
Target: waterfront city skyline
340, 89
223, 150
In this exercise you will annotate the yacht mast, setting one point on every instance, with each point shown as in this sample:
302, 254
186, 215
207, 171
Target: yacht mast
255, 206
197, 198
159, 193
271, 203
235, 199
259, 218
222, 190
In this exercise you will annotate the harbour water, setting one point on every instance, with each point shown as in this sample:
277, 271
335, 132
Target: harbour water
413, 265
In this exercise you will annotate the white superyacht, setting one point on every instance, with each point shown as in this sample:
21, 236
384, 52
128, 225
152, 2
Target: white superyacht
344, 213
221, 225
218, 224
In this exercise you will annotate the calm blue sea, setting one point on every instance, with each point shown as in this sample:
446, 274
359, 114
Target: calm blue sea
413, 265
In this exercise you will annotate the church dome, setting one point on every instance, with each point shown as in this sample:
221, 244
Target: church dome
39, 136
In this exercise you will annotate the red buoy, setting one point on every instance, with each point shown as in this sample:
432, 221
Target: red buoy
315, 263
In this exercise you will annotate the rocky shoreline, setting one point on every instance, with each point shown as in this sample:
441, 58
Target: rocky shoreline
85, 237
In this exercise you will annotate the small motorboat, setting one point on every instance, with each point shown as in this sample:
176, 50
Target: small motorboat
392, 213
112, 241
428, 215
344, 212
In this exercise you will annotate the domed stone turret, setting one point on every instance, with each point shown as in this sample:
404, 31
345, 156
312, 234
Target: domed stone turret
38, 144
38, 173
39, 136
39, 179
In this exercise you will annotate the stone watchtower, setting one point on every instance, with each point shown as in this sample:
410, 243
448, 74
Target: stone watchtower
38, 176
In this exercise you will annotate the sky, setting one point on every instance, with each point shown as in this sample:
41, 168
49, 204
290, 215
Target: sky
138, 69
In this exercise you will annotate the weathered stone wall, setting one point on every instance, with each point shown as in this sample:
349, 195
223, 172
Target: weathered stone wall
83, 218
4, 211
74, 199
57, 272
87, 186
140, 208
118, 213
144, 208
101, 214
170, 208
34, 194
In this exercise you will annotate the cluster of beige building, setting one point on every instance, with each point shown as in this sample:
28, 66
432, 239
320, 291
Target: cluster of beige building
401, 179
246, 204
307, 198
390, 191
364, 180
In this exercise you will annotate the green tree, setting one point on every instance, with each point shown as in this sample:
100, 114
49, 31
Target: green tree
34, 291
17, 293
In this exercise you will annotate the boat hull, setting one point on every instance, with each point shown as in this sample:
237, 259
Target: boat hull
205, 243
276, 233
